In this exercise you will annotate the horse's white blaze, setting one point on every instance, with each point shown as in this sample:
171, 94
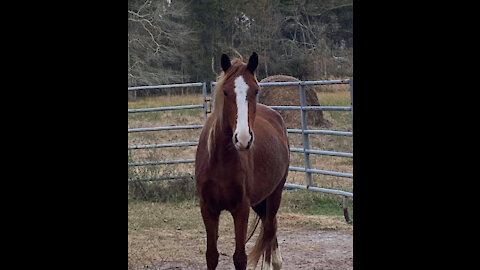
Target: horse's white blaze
242, 131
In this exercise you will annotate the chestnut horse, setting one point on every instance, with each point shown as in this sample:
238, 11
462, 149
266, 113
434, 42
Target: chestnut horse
242, 161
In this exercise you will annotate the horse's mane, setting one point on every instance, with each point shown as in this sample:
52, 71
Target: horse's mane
237, 66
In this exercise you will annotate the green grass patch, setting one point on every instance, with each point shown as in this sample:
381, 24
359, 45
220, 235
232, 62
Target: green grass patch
314, 203
172, 191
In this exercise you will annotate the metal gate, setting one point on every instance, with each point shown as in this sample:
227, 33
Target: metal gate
304, 131
175, 144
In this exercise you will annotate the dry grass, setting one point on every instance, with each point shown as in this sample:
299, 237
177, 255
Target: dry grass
332, 88
164, 118
168, 100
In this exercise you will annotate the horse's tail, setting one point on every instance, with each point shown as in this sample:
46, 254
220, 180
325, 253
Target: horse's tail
253, 227
264, 241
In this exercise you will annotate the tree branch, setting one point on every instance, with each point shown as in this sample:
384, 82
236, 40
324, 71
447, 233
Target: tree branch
330, 9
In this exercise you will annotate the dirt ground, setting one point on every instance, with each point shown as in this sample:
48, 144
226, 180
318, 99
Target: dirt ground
172, 236
321, 249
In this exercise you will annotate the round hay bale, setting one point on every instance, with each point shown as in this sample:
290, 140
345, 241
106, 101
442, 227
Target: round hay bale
290, 96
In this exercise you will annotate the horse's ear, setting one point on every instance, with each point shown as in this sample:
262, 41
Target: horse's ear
225, 62
253, 62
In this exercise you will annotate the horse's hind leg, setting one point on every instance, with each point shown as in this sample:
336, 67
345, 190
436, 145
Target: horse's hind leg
272, 253
276, 256
210, 219
267, 245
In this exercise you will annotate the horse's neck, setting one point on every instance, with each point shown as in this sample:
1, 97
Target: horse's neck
223, 145
226, 152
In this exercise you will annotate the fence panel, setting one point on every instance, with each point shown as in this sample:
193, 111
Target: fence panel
304, 131
203, 106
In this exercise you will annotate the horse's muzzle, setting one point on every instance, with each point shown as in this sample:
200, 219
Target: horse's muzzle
242, 146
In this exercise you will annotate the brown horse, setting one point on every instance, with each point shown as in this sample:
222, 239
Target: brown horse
242, 161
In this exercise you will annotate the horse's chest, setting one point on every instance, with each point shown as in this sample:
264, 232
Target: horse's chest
223, 196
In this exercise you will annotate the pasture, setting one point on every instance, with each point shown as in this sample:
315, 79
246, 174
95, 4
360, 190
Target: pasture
165, 227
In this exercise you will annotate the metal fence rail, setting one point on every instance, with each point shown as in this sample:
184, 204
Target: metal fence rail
332, 191
178, 85
163, 86
312, 108
319, 131
306, 150
130, 130
321, 152
148, 146
161, 162
165, 108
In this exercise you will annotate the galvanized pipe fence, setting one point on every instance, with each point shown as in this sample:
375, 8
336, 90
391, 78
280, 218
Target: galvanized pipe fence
304, 131
156, 109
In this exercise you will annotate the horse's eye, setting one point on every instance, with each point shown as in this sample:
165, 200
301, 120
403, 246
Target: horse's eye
256, 92
225, 92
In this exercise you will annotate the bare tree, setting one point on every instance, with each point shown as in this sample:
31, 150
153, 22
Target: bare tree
318, 30
156, 39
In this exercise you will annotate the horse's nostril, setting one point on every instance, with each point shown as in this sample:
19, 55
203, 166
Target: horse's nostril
250, 141
236, 140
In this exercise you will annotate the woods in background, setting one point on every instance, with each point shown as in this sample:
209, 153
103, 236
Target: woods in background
175, 41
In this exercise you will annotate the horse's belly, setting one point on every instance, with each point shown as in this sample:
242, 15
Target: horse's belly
271, 165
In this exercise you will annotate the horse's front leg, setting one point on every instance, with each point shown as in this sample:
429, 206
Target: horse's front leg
210, 219
240, 218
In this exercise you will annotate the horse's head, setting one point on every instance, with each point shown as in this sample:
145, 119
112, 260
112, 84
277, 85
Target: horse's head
240, 89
